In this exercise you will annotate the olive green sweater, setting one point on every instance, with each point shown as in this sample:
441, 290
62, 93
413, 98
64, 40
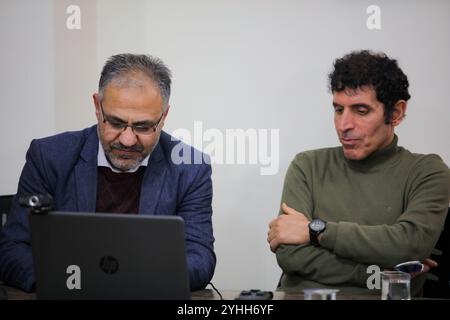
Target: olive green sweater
386, 209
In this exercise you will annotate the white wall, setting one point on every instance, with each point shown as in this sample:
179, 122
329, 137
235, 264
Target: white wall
26, 83
242, 64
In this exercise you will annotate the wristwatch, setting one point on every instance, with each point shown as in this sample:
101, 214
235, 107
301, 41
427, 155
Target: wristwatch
316, 227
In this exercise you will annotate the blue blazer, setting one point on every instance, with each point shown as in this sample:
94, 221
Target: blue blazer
65, 165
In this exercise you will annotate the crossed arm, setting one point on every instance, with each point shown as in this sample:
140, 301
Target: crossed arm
348, 248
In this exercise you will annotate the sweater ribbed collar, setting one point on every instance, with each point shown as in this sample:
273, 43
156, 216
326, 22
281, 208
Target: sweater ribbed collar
378, 159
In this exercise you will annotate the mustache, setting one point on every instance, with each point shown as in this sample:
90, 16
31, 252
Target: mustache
121, 147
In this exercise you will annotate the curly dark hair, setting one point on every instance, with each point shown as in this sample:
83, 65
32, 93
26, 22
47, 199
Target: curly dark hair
361, 68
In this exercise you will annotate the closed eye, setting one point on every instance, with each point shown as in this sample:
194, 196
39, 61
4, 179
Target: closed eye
117, 123
338, 109
362, 110
144, 124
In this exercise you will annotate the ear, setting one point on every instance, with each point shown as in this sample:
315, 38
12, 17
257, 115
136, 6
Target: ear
399, 112
167, 111
96, 98
165, 115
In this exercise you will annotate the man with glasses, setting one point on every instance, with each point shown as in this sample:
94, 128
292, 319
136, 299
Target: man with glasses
368, 202
121, 165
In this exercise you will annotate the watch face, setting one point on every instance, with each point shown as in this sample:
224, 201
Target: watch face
317, 225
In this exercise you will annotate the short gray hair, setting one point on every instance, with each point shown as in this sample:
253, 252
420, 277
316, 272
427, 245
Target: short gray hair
121, 64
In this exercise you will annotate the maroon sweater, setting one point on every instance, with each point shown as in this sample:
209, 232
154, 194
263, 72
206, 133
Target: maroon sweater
118, 192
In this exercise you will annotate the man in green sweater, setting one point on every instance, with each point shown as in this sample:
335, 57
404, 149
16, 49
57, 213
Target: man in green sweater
368, 202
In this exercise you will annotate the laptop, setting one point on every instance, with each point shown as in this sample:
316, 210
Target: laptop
109, 256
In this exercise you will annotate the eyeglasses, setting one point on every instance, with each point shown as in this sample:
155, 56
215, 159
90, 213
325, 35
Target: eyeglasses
141, 128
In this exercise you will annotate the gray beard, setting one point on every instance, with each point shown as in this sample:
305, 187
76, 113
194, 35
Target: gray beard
119, 164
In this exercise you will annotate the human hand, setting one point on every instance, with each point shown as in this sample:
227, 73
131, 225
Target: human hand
427, 265
291, 227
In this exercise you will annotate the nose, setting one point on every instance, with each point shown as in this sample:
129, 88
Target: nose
128, 138
344, 122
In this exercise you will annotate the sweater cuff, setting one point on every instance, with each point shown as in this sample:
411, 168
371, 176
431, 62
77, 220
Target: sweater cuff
328, 239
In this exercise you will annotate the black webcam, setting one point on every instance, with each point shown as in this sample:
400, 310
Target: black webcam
38, 203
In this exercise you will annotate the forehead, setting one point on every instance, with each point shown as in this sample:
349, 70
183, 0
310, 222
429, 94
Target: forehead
133, 96
364, 94
133, 85
131, 79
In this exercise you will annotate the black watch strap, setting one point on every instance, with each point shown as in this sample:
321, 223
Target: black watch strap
314, 238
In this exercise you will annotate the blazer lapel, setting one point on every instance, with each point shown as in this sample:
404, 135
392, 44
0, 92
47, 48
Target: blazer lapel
153, 182
86, 175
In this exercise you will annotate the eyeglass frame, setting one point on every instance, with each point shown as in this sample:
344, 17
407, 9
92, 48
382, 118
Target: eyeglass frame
124, 125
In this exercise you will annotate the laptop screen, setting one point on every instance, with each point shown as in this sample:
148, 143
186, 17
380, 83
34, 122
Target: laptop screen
109, 256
